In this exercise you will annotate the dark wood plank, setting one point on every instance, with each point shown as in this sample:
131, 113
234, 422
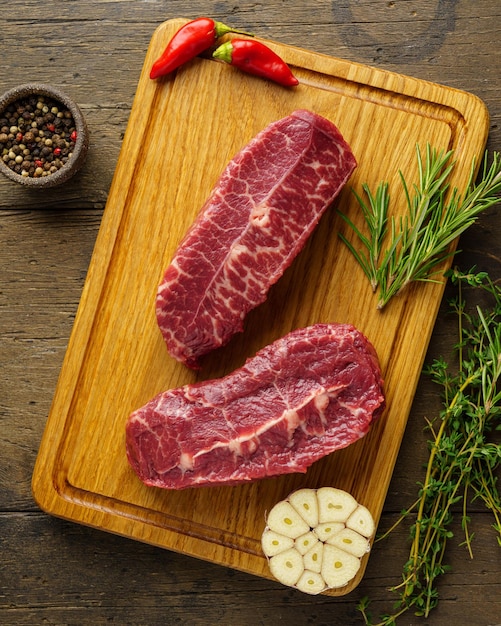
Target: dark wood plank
62, 573
95, 52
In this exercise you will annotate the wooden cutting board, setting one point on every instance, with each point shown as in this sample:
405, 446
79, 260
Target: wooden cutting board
182, 132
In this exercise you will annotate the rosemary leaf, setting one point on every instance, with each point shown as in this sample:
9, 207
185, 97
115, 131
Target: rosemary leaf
420, 241
376, 216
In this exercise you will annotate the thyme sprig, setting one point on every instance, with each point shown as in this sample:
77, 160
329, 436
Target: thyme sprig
464, 454
420, 240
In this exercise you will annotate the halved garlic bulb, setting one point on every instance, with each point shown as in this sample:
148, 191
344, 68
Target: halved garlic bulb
314, 539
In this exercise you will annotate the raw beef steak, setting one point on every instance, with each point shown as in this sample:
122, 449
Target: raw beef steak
309, 393
257, 219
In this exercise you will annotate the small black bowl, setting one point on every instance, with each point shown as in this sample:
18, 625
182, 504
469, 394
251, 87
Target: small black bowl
79, 153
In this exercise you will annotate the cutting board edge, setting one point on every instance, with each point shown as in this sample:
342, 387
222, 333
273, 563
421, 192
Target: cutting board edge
108, 521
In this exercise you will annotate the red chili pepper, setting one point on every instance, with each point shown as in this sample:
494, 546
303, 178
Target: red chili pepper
188, 42
254, 57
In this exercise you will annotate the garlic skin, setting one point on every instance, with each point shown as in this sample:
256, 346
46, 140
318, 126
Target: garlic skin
315, 539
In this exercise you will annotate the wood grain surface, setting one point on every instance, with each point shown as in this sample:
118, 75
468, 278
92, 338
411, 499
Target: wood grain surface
57, 572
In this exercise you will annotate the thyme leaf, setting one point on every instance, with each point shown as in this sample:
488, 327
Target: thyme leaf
420, 240
465, 452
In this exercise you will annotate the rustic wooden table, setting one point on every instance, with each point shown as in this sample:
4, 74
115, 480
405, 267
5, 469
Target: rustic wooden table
57, 572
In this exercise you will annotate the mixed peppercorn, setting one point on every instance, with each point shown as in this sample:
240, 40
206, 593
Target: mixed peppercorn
37, 136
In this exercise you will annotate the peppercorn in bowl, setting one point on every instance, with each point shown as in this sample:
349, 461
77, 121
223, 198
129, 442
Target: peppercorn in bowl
43, 136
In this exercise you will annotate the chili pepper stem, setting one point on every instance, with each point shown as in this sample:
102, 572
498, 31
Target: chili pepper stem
224, 52
221, 29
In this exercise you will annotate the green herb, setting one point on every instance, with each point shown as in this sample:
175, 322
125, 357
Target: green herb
464, 456
421, 239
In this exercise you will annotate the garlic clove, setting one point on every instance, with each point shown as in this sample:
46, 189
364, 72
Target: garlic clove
338, 567
350, 541
285, 520
361, 521
310, 582
274, 543
306, 504
335, 505
287, 566
313, 558
304, 543
329, 529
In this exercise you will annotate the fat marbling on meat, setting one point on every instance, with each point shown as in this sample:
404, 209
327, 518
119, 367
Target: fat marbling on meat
311, 392
257, 219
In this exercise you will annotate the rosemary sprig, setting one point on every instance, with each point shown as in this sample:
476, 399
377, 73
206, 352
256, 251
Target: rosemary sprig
421, 239
376, 217
464, 456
